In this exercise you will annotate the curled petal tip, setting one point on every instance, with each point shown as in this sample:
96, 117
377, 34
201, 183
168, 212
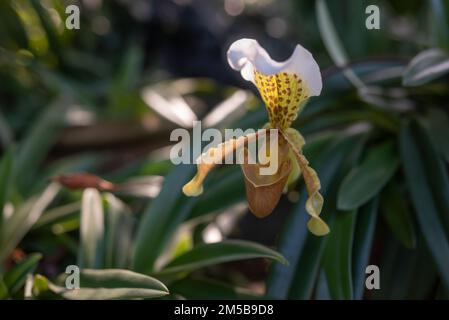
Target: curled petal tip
317, 226
314, 204
192, 188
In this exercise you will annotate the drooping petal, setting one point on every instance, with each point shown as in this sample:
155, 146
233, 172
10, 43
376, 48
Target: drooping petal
284, 86
314, 203
208, 160
298, 140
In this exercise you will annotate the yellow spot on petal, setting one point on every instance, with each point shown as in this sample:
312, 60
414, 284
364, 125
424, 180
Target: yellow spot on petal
283, 94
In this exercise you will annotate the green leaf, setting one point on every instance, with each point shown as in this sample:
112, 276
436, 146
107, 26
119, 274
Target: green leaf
209, 254
307, 269
438, 127
365, 181
6, 173
91, 230
14, 30
161, 218
363, 240
397, 215
338, 256
108, 284
404, 273
15, 278
3, 288
332, 42
208, 289
23, 218
440, 19
420, 188
38, 141
119, 225
48, 25
425, 67
57, 214
437, 174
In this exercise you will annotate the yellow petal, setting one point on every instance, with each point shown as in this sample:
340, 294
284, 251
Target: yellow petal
314, 203
283, 94
295, 172
297, 139
317, 226
208, 160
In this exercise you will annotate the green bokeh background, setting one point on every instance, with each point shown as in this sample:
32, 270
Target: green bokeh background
83, 101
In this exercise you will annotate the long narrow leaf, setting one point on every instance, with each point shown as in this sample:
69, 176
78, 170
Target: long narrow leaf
109, 284
365, 181
363, 240
91, 230
23, 219
338, 256
16, 277
214, 253
161, 218
420, 188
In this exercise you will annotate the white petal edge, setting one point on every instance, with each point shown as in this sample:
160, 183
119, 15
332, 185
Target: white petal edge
245, 55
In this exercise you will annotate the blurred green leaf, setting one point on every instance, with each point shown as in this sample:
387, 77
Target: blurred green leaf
332, 42
38, 141
209, 254
15, 278
12, 33
108, 284
161, 218
56, 214
440, 19
404, 273
118, 232
123, 98
437, 174
48, 25
338, 256
397, 215
193, 288
91, 230
438, 127
425, 67
365, 181
6, 173
23, 218
420, 188
3, 288
363, 241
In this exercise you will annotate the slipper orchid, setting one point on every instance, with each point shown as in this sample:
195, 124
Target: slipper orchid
285, 88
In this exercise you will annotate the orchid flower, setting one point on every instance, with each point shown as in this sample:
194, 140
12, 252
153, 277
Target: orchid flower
284, 87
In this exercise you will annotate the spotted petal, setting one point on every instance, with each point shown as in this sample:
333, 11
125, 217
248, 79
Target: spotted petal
283, 86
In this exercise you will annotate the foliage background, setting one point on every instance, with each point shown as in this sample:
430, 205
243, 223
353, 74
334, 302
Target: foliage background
103, 99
